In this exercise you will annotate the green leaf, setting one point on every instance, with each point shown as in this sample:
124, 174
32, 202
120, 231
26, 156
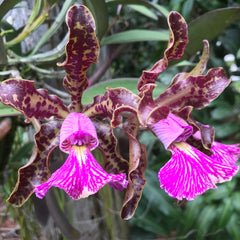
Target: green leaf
136, 35
144, 11
54, 27
7, 5
222, 111
233, 227
208, 26
128, 83
159, 199
225, 211
21, 154
100, 13
147, 4
205, 220
224, 129
8, 111
187, 8
191, 213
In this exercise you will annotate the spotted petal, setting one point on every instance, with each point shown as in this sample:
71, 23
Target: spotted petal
80, 176
22, 95
190, 172
36, 171
195, 91
178, 40
82, 50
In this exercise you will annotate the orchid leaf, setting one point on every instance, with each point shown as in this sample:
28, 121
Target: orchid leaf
144, 11
208, 26
196, 91
137, 168
100, 88
128, 83
7, 111
81, 51
136, 35
7, 5
162, 10
37, 22
22, 95
54, 27
51, 55
113, 162
105, 105
100, 13
36, 171
178, 40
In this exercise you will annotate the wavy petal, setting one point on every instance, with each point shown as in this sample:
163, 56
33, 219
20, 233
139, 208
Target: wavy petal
226, 154
80, 176
82, 51
190, 172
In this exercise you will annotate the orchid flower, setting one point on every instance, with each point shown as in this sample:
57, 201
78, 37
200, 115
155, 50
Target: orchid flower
81, 175
190, 172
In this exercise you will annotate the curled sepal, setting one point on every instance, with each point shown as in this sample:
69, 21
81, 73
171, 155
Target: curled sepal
190, 172
22, 95
117, 99
148, 111
178, 39
137, 168
198, 69
206, 133
81, 51
80, 176
36, 170
195, 91
113, 161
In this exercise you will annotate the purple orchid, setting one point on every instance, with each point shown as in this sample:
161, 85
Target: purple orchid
197, 164
190, 172
81, 175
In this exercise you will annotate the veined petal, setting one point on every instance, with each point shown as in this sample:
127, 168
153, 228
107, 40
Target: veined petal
77, 129
190, 172
224, 153
80, 176
172, 129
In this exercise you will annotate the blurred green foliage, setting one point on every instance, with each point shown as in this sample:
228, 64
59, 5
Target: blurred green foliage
133, 35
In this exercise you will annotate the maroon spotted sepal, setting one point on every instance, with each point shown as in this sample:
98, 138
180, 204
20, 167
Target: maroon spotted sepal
22, 95
178, 39
112, 103
82, 50
36, 171
137, 168
114, 163
195, 91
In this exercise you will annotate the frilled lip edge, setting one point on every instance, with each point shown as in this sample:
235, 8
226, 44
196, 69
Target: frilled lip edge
81, 175
190, 172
